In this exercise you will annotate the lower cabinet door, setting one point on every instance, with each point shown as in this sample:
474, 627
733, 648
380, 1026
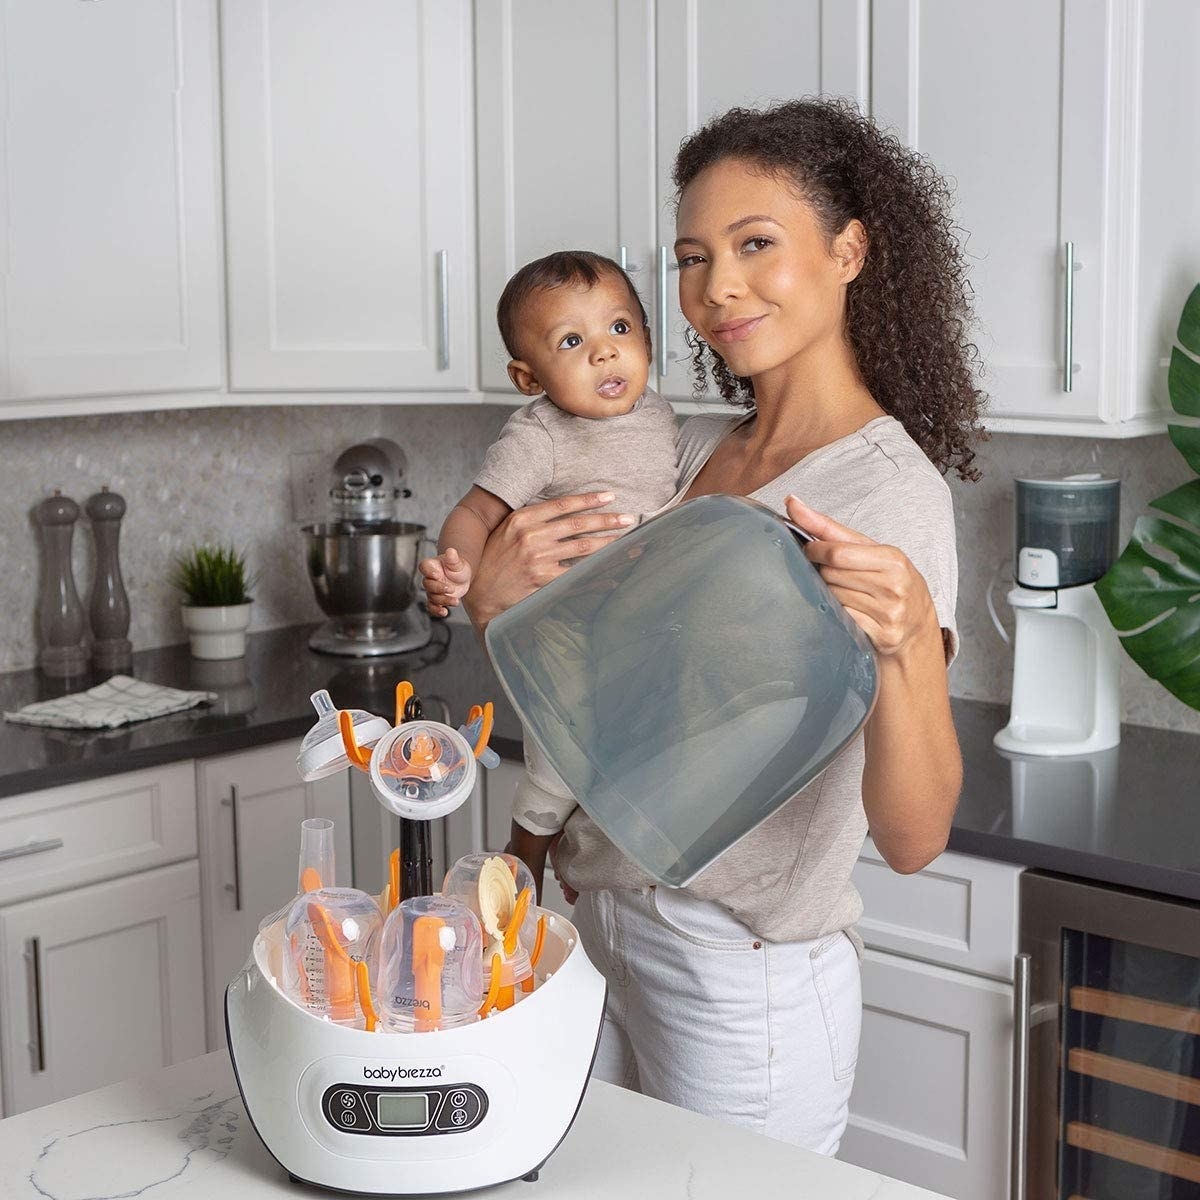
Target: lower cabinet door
250, 808
99, 984
932, 1092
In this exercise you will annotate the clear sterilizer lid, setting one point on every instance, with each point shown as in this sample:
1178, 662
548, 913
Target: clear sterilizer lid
687, 680
322, 752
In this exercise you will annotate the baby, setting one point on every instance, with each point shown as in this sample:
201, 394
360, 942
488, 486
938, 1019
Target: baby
580, 343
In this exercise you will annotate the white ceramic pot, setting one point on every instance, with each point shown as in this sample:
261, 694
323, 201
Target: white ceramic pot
218, 632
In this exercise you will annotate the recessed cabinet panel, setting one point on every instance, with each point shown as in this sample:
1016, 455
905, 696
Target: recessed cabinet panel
565, 156
109, 245
1026, 159
932, 1088
99, 984
347, 207
710, 56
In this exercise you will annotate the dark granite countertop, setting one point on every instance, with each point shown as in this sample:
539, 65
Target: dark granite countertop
1128, 816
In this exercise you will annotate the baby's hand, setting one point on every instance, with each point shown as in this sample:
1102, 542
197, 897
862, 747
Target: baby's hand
446, 580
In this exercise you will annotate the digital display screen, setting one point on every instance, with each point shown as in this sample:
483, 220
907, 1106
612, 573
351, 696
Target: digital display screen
404, 1110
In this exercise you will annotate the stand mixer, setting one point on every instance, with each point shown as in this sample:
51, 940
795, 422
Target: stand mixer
363, 561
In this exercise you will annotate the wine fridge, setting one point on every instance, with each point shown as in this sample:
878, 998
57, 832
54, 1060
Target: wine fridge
1106, 1102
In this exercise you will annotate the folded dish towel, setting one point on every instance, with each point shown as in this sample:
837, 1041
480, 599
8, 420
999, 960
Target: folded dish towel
117, 701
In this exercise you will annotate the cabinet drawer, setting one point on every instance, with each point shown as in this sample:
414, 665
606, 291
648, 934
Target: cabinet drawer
99, 829
960, 911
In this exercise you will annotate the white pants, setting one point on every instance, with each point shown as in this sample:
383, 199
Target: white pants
704, 1015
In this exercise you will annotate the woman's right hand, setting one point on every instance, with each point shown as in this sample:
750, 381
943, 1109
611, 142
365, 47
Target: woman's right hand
529, 548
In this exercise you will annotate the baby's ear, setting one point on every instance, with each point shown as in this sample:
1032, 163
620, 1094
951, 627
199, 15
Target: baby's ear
523, 378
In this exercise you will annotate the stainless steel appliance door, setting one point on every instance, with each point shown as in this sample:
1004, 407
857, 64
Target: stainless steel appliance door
1113, 1069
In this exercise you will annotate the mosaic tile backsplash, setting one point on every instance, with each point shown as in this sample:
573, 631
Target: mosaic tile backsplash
225, 473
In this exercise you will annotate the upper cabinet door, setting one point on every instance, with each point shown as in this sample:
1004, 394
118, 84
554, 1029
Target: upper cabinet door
109, 249
1009, 102
347, 190
565, 143
711, 56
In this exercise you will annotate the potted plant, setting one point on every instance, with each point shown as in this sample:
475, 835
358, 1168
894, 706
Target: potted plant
216, 600
1152, 592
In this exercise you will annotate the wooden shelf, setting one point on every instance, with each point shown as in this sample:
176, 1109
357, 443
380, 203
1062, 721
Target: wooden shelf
1133, 1008
1135, 1075
1133, 1150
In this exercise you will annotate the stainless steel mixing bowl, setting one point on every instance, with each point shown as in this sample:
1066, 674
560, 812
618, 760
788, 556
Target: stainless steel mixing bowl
364, 570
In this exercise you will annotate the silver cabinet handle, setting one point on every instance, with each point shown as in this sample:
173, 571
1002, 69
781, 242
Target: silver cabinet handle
1069, 365
664, 355
37, 1044
32, 847
626, 265
443, 280
1020, 1088
231, 802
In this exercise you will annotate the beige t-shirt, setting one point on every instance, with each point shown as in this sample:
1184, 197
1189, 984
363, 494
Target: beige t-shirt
543, 452
789, 878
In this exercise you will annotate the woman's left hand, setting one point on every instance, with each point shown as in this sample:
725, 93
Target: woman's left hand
877, 585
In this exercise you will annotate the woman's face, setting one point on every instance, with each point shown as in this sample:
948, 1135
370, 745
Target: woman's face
758, 280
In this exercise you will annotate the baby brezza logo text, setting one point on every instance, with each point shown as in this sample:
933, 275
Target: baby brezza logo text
393, 1073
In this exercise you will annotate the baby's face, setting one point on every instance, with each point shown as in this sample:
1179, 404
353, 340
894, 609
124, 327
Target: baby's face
585, 347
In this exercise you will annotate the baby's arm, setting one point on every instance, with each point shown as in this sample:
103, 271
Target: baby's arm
463, 537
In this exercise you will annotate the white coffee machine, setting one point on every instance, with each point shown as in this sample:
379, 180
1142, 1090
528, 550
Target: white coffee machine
1066, 661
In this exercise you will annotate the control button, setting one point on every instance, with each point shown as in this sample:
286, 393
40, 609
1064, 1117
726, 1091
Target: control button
346, 1099
348, 1117
461, 1111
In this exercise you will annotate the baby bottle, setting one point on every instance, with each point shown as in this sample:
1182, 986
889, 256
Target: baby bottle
329, 936
430, 966
499, 890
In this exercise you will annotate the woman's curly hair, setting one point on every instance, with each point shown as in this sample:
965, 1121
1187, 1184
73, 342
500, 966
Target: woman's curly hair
908, 312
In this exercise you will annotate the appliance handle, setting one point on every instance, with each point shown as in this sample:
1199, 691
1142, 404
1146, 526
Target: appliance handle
31, 847
231, 802
1069, 365
37, 1047
1022, 971
665, 357
443, 281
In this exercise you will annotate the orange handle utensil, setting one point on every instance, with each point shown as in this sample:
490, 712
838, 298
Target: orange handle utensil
488, 713
493, 991
364, 995
394, 896
339, 967
404, 693
538, 942
514, 925
310, 881
428, 959
354, 752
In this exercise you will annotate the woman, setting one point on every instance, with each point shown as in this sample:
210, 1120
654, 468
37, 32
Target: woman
818, 268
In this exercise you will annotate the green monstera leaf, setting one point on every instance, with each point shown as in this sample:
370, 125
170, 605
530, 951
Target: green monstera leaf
1152, 592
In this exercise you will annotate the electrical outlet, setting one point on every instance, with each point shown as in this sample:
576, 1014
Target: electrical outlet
310, 483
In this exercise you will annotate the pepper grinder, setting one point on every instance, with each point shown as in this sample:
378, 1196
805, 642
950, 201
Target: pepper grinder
60, 614
109, 612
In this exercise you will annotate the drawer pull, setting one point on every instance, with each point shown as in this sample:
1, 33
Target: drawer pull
231, 801
37, 1046
31, 847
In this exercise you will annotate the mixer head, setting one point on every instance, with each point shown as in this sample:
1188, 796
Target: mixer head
365, 482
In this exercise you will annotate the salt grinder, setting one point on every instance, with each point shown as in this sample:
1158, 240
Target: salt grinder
109, 612
60, 614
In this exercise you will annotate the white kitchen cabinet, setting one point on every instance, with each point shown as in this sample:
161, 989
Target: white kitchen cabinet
710, 56
564, 152
348, 195
109, 214
100, 983
1029, 110
932, 1089
590, 166
250, 808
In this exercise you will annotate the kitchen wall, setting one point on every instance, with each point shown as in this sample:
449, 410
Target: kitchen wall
191, 475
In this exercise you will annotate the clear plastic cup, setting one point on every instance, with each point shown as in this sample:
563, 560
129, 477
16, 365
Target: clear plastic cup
429, 966
327, 933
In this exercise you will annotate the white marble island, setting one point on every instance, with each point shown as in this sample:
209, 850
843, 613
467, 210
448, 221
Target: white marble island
184, 1132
